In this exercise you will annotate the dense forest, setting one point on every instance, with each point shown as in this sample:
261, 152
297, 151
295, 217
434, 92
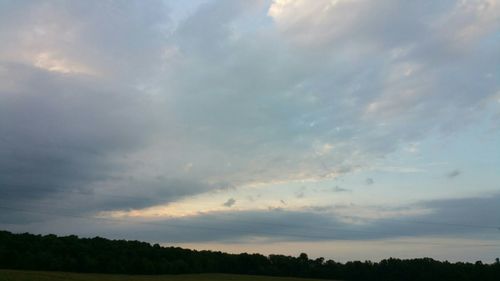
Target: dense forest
71, 253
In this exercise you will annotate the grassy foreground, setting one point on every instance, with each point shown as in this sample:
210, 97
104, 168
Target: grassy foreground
16, 275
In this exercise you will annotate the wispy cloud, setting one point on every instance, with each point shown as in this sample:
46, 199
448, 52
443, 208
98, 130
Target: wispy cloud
339, 189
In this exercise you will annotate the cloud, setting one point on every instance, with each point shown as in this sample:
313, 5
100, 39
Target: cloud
453, 174
68, 141
369, 181
312, 226
226, 97
75, 119
121, 40
457, 218
339, 189
229, 203
118, 103
62, 133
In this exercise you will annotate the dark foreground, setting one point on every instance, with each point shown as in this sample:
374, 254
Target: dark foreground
99, 255
14, 275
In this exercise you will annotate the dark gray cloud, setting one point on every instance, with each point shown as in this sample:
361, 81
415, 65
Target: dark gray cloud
313, 226
278, 224
58, 135
471, 211
66, 142
453, 174
68, 122
229, 203
71, 117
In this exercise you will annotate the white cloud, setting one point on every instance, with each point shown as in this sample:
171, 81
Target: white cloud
51, 63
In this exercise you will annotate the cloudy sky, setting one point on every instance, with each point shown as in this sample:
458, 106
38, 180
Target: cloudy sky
349, 129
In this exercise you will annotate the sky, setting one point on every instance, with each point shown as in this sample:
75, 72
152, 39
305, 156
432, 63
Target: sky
347, 129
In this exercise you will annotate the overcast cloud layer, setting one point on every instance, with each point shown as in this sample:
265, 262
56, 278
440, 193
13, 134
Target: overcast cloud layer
344, 117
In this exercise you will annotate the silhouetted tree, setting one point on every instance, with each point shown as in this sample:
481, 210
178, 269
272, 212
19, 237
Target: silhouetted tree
70, 253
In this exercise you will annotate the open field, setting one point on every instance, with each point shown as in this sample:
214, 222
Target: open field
16, 275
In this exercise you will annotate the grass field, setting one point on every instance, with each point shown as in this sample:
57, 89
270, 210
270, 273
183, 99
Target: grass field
15, 275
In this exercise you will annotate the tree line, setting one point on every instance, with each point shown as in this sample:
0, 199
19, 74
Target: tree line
99, 255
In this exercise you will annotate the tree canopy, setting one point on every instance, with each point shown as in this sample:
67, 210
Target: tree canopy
100, 255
